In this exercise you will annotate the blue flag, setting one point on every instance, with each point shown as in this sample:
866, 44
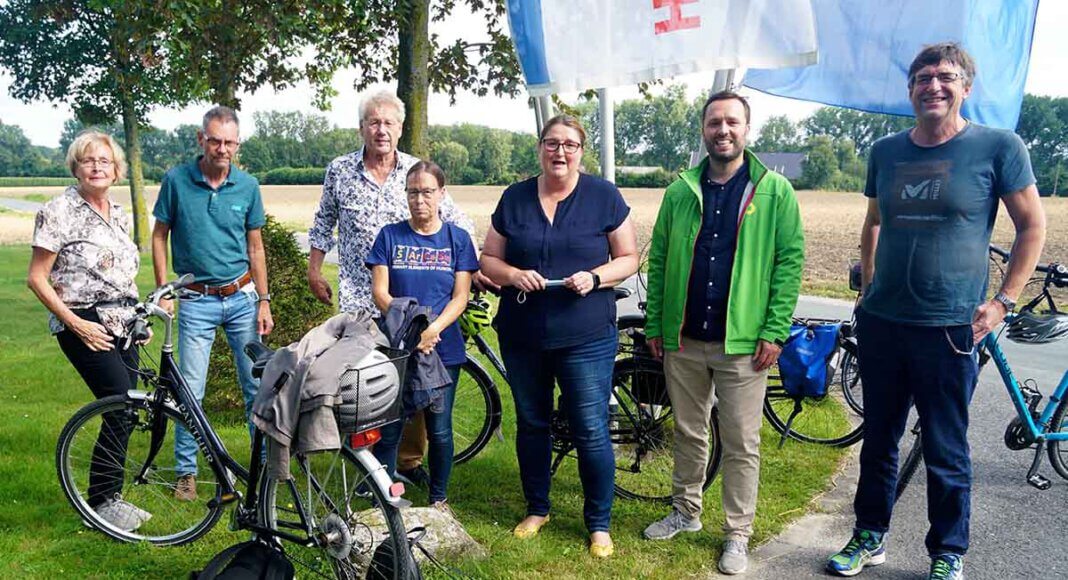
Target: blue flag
866, 46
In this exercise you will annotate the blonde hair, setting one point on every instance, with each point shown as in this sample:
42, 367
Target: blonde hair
382, 98
87, 139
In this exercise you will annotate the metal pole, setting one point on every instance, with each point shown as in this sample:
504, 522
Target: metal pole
606, 113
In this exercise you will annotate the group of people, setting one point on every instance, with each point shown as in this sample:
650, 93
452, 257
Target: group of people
724, 273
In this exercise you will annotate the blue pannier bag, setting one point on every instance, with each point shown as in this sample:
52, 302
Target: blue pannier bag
803, 361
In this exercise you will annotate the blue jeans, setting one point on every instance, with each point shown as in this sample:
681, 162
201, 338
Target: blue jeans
584, 373
439, 442
198, 317
900, 364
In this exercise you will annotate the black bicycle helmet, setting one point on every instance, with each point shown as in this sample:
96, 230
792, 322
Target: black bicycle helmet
1031, 328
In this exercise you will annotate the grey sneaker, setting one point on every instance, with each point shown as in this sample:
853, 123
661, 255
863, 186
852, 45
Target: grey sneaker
670, 526
122, 514
735, 558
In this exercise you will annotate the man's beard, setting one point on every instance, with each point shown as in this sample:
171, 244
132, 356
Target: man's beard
710, 147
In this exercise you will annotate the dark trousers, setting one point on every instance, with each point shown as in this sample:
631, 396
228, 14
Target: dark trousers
902, 364
439, 436
106, 373
584, 373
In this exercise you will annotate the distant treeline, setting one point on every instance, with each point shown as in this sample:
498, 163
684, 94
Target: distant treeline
659, 131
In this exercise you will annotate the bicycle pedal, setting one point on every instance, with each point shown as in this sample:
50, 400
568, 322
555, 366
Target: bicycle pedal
1039, 481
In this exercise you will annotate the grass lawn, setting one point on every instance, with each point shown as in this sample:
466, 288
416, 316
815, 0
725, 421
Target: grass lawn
41, 537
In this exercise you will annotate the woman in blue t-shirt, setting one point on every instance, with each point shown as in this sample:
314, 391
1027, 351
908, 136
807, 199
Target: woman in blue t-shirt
431, 261
561, 226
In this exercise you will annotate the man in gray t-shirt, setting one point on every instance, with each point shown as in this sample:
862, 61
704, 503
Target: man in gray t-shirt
933, 195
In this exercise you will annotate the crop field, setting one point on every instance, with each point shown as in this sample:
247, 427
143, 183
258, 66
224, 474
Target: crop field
832, 221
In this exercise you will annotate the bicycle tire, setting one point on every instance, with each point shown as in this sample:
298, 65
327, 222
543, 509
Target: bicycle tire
827, 420
347, 523
1058, 450
173, 522
642, 430
849, 379
912, 461
476, 411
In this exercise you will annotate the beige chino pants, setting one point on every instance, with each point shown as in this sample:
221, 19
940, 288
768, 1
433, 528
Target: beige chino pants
700, 375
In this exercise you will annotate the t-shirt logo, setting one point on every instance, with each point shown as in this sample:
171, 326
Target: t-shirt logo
917, 198
420, 258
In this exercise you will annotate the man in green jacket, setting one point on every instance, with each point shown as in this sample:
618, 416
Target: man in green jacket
724, 274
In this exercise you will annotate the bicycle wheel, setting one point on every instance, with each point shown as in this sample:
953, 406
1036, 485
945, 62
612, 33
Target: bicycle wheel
849, 378
913, 458
1058, 450
642, 428
98, 430
826, 420
476, 412
331, 501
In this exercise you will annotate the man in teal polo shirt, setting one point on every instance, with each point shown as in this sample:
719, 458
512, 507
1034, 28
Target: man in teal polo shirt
212, 212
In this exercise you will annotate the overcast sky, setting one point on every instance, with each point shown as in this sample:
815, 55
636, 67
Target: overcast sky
43, 122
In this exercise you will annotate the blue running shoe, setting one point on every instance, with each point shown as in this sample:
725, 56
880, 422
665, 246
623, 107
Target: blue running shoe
864, 549
946, 567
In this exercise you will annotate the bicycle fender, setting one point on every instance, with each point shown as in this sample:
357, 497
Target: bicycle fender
379, 477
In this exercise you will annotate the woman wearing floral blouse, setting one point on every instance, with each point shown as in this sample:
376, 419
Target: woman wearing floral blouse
83, 270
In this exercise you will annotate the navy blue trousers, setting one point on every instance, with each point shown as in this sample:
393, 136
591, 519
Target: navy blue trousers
900, 365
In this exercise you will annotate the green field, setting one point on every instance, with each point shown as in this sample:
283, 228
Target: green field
41, 537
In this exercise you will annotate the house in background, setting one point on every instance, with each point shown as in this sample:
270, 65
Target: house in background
787, 164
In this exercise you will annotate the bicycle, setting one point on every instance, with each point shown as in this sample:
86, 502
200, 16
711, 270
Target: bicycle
337, 509
640, 422
1043, 430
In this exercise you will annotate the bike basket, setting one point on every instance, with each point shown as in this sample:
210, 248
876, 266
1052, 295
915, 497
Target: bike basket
804, 358
370, 391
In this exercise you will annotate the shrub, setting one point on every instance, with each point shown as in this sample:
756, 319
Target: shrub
657, 179
293, 176
293, 307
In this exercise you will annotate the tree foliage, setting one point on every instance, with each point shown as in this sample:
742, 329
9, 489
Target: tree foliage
779, 135
1043, 127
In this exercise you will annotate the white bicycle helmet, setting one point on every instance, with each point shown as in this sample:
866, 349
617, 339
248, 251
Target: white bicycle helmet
370, 394
1031, 328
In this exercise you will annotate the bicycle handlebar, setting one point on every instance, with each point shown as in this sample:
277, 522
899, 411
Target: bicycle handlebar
1056, 274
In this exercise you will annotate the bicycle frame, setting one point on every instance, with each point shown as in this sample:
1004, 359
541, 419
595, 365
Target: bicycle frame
1040, 430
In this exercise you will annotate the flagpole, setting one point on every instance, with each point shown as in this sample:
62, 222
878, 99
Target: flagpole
606, 113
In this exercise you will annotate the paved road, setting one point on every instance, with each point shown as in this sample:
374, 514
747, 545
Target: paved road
20, 204
1016, 530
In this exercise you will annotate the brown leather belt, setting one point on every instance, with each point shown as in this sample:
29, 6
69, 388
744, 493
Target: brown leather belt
223, 290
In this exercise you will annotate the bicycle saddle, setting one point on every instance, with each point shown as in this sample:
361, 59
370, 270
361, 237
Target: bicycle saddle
621, 292
260, 354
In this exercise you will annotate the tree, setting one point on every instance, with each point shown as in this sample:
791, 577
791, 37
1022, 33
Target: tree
861, 127
820, 166
778, 135
657, 130
94, 56
1043, 126
17, 155
452, 157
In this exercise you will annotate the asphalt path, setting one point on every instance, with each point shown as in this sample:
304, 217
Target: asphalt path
1016, 531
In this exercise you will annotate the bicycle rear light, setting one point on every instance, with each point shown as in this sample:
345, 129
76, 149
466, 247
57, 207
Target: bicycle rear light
364, 438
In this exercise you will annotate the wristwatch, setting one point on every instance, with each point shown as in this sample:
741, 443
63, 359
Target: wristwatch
596, 280
265, 298
1005, 301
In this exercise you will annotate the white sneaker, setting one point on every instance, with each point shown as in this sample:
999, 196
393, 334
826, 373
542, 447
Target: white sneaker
122, 514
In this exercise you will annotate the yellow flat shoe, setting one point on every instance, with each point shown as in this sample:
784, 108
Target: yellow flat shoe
529, 530
602, 550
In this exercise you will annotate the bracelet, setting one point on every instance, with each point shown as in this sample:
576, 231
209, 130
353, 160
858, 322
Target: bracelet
265, 298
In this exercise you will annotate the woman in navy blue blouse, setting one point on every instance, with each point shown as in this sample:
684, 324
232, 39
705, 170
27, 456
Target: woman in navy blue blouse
566, 226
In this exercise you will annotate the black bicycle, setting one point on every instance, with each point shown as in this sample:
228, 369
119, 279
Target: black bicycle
336, 510
641, 422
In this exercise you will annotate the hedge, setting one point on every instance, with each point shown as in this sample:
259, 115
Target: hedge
656, 179
293, 176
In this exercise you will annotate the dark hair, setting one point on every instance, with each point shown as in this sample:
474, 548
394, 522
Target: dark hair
222, 113
951, 52
567, 121
725, 96
428, 167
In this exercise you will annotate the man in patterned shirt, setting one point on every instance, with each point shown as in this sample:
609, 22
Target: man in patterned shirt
363, 191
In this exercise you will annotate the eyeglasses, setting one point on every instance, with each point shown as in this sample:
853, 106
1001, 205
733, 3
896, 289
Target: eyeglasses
424, 193
944, 78
101, 163
215, 143
387, 123
553, 145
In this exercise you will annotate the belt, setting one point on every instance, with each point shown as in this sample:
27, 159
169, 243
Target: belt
223, 289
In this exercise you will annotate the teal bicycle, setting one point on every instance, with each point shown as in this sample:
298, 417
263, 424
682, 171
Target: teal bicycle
1043, 429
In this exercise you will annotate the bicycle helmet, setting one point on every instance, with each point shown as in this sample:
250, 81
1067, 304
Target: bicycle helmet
1032, 328
476, 318
370, 394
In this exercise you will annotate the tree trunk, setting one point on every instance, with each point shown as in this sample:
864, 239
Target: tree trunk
413, 77
137, 180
